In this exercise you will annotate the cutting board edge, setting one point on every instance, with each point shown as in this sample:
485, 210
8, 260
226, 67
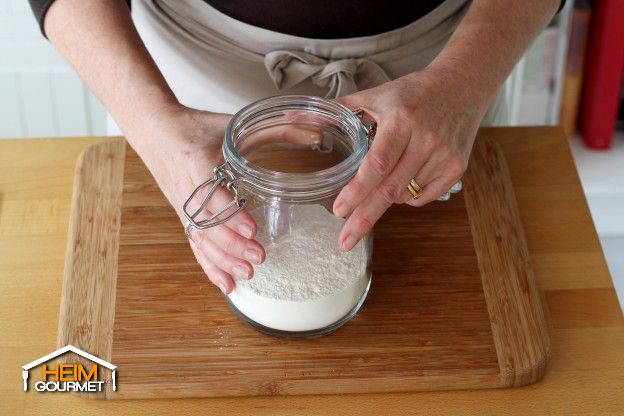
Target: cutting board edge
369, 385
87, 327
519, 365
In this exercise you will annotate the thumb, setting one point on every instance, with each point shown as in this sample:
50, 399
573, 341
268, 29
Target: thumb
361, 100
351, 101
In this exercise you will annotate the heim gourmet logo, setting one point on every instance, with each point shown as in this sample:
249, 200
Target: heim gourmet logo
69, 377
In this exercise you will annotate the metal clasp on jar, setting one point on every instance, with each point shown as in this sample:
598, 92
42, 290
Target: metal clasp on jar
370, 128
221, 177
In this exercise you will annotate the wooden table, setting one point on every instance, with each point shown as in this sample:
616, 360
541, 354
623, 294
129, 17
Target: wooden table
586, 373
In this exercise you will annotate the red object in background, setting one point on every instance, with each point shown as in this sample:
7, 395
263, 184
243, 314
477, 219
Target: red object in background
605, 68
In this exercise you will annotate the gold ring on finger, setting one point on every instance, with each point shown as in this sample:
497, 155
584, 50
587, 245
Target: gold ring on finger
415, 189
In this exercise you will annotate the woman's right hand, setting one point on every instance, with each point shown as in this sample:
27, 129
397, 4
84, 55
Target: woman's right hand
181, 146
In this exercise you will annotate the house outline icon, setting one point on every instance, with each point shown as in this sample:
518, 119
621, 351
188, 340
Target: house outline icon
26, 368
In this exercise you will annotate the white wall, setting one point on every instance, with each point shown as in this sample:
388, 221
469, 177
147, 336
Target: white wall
40, 95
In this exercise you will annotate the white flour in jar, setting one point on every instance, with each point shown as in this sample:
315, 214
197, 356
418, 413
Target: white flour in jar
306, 282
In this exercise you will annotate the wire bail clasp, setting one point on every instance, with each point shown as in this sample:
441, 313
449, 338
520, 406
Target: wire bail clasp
222, 177
370, 128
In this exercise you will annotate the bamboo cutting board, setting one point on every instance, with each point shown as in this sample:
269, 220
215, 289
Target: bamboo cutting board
453, 304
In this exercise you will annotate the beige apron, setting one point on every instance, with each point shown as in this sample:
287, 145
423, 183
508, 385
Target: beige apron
216, 63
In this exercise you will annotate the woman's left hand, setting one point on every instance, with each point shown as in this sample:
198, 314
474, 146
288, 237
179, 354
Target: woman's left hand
426, 124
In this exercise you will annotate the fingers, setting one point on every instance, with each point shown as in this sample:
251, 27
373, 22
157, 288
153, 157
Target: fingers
438, 176
433, 190
217, 276
435, 169
380, 161
242, 223
227, 250
423, 175
235, 246
233, 266
219, 265
421, 162
361, 221
391, 189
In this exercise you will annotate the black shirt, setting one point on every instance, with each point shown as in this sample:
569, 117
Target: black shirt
317, 19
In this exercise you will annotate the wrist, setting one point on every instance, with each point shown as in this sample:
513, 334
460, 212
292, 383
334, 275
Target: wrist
177, 133
160, 127
475, 87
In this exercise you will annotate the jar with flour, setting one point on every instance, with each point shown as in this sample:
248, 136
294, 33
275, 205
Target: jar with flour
286, 160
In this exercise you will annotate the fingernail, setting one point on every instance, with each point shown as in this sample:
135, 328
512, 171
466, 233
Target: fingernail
223, 288
315, 137
245, 230
252, 256
240, 272
309, 136
348, 243
340, 210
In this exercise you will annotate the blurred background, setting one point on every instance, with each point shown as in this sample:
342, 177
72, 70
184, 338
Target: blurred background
571, 76
40, 95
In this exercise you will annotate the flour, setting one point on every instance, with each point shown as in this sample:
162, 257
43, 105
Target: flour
306, 282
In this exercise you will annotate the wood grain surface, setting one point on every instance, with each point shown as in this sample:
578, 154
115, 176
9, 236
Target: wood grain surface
453, 302
91, 259
585, 372
518, 324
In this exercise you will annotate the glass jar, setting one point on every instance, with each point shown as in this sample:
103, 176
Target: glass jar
286, 160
